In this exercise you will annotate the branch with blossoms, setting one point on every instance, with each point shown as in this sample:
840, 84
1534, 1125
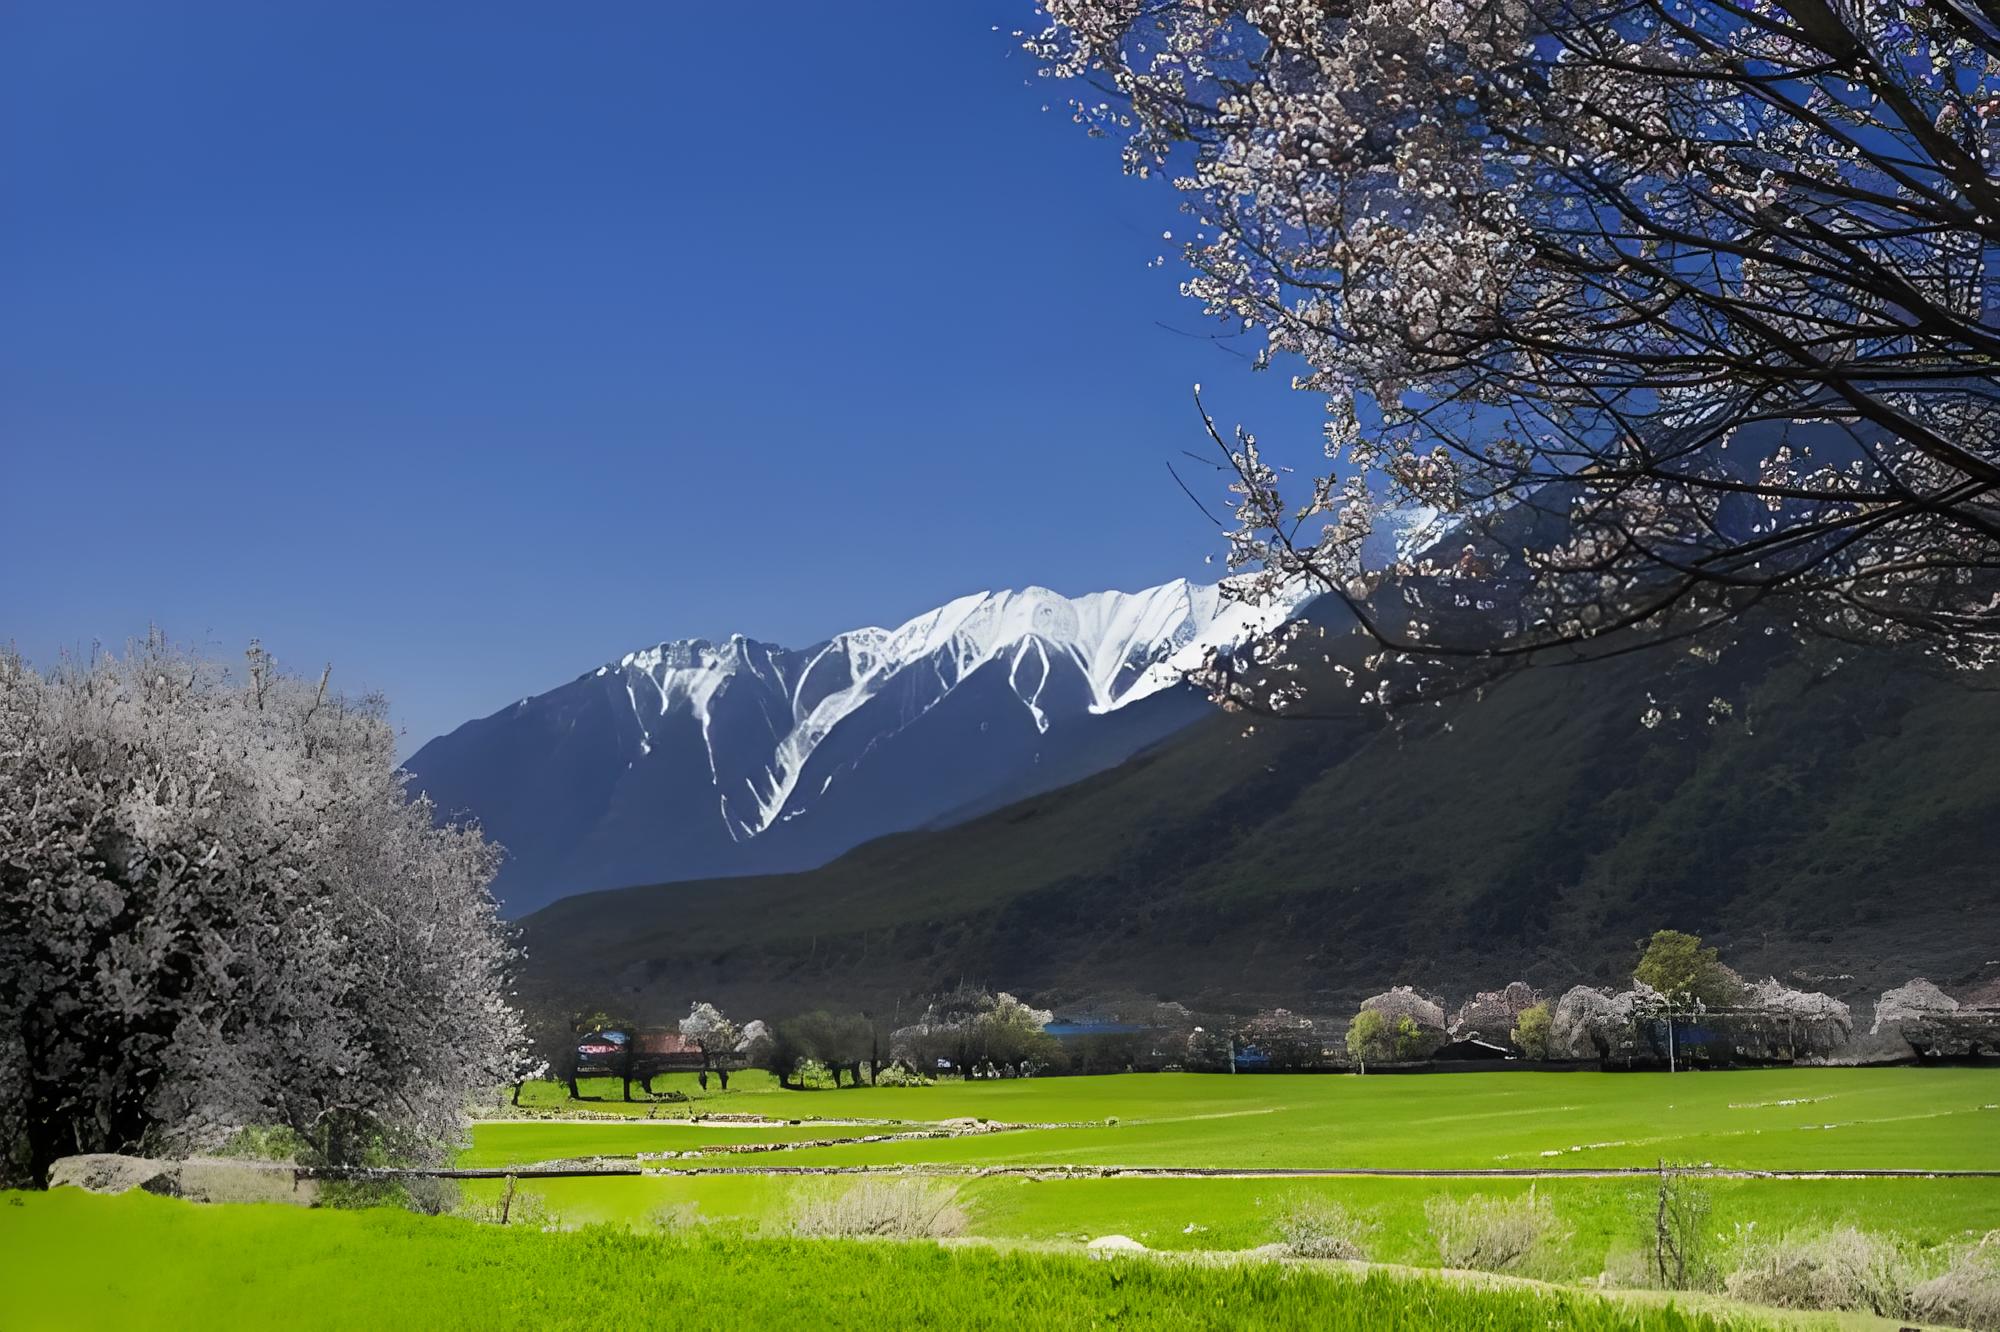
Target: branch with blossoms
1673, 314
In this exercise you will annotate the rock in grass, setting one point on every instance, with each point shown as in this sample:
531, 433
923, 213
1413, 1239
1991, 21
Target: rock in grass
208, 1180
108, 1172
1115, 1244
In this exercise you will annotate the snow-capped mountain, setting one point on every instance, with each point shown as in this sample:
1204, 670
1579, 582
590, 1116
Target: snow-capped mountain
694, 759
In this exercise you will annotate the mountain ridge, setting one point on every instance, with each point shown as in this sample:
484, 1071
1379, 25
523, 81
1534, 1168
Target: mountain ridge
609, 778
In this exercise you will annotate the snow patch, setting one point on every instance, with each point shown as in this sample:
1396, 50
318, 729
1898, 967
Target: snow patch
1122, 646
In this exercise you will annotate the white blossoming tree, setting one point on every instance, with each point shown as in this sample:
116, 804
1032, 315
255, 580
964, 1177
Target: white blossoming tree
219, 908
969, 1027
1657, 318
710, 1031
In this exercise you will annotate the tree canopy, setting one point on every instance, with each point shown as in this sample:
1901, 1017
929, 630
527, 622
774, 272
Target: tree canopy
1645, 314
1676, 965
218, 908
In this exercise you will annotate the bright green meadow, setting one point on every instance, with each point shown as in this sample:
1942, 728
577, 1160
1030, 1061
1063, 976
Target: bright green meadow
71, 1260
1775, 1119
1793, 1119
706, 1229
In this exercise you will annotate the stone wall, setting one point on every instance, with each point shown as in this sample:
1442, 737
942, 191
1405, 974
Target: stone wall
200, 1179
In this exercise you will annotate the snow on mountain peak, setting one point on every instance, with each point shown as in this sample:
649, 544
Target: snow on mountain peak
1121, 646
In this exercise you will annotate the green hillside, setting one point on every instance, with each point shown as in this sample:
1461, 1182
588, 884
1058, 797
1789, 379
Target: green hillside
1837, 827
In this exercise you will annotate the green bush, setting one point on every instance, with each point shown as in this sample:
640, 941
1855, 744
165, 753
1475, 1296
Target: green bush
895, 1075
1531, 1030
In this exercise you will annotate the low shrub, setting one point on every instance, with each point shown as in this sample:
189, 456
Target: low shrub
812, 1073
1845, 1269
1489, 1234
1966, 1294
895, 1075
514, 1207
1319, 1228
889, 1208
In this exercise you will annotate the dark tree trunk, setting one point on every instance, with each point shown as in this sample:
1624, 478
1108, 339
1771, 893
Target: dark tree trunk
723, 1073
517, 1093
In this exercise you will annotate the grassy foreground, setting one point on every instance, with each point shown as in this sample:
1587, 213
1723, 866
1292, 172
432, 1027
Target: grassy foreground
1605, 1224
74, 1260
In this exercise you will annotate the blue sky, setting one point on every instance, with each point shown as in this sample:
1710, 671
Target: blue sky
466, 347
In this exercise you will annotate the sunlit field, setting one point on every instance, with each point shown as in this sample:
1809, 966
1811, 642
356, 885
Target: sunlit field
1796, 1120
1777, 1119
139, 1261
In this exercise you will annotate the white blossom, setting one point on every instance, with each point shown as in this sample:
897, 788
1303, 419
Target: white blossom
219, 908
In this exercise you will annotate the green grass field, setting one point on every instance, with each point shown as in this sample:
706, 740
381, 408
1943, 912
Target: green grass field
1789, 1119
1798, 1119
1603, 1220
71, 1260
149, 1262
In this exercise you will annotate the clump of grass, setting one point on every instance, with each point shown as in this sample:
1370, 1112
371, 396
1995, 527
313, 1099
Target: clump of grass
674, 1218
1845, 1269
1966, 1294
886, 1208
516, 1207
1319, 1228
1490, 1234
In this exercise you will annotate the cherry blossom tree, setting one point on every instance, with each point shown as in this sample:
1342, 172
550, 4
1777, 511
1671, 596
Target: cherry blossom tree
219, 908
1647, 319
708, 1030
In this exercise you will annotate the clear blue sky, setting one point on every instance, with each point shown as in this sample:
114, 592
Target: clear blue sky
468, 346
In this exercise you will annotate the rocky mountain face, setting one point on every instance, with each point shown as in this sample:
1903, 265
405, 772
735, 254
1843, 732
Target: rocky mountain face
692, 759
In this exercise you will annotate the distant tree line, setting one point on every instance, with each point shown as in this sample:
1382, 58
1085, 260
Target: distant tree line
1681, 989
